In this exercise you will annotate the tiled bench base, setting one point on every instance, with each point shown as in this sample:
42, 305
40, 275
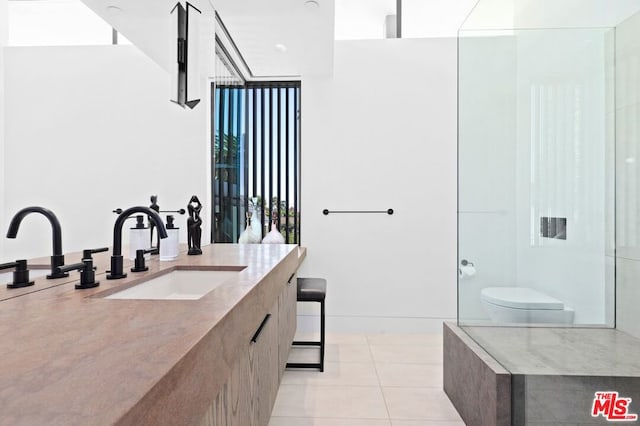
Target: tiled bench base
476, 384
555, 374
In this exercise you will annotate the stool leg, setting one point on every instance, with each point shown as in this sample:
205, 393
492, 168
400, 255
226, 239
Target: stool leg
322, 336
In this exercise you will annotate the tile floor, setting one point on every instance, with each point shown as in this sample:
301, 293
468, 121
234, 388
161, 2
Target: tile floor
369, 380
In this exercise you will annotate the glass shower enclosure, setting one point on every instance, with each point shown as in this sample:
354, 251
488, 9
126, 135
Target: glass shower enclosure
536, 162
549, 205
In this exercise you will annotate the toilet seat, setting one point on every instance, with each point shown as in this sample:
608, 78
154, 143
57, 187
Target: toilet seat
520, 298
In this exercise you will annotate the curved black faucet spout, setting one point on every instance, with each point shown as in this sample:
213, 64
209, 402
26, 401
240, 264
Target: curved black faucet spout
57, 259
116, 259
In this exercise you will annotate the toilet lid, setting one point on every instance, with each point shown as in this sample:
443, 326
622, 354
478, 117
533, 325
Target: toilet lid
520, 298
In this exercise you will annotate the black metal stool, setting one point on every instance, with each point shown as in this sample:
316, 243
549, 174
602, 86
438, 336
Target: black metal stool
312, 290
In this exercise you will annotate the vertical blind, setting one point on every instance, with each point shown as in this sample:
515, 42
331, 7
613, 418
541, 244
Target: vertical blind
256, 159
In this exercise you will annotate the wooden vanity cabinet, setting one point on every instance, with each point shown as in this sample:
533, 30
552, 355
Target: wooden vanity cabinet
287, 320
248, 396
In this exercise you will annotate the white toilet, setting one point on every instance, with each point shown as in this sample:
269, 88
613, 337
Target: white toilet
524, 305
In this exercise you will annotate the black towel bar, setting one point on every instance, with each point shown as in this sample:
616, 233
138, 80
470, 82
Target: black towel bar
327, 211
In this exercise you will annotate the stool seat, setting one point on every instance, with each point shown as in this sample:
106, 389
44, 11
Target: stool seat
311, 289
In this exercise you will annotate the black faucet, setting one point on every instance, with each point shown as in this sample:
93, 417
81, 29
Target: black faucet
139, 265
20, 275
58, 258
86, 269
116, 259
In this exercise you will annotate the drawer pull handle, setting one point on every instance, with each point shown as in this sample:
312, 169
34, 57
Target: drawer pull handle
255, 337
291, 277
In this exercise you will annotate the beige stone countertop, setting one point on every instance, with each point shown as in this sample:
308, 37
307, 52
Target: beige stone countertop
71, 357
101, 261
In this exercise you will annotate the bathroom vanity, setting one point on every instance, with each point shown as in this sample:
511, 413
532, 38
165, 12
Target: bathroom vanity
98, 356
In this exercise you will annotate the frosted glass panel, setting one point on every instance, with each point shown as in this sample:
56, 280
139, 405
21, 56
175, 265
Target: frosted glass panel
535, 174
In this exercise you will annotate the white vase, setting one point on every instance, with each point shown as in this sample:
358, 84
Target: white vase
244, 235
274, 236
256, 222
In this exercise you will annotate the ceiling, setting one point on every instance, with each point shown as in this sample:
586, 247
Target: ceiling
305, 31
275, 37
146, 23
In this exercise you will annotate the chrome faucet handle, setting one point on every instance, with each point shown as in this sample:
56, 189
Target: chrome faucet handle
20, 275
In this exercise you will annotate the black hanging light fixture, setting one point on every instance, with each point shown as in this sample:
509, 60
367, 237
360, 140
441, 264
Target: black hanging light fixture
185, 75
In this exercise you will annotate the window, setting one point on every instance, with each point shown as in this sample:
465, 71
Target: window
256, 158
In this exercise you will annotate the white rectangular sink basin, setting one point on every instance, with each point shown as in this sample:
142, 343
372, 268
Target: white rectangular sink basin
177, 285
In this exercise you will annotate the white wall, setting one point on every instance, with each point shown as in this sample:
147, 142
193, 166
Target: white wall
362, 19
3, 42
89, 129
628, 174
379, 134
434, 18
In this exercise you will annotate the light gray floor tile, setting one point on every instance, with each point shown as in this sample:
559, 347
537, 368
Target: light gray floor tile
556, 423
318, 421
350, 392
427, 423
356, 402
335, 338
429, 339
412, 354
348, 353
305, 354
307, 336
335, 374
410, 375
333, 353
419, 404
347, 338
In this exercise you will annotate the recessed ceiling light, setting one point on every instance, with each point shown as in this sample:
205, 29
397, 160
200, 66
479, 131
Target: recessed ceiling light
281, 47
312, 4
